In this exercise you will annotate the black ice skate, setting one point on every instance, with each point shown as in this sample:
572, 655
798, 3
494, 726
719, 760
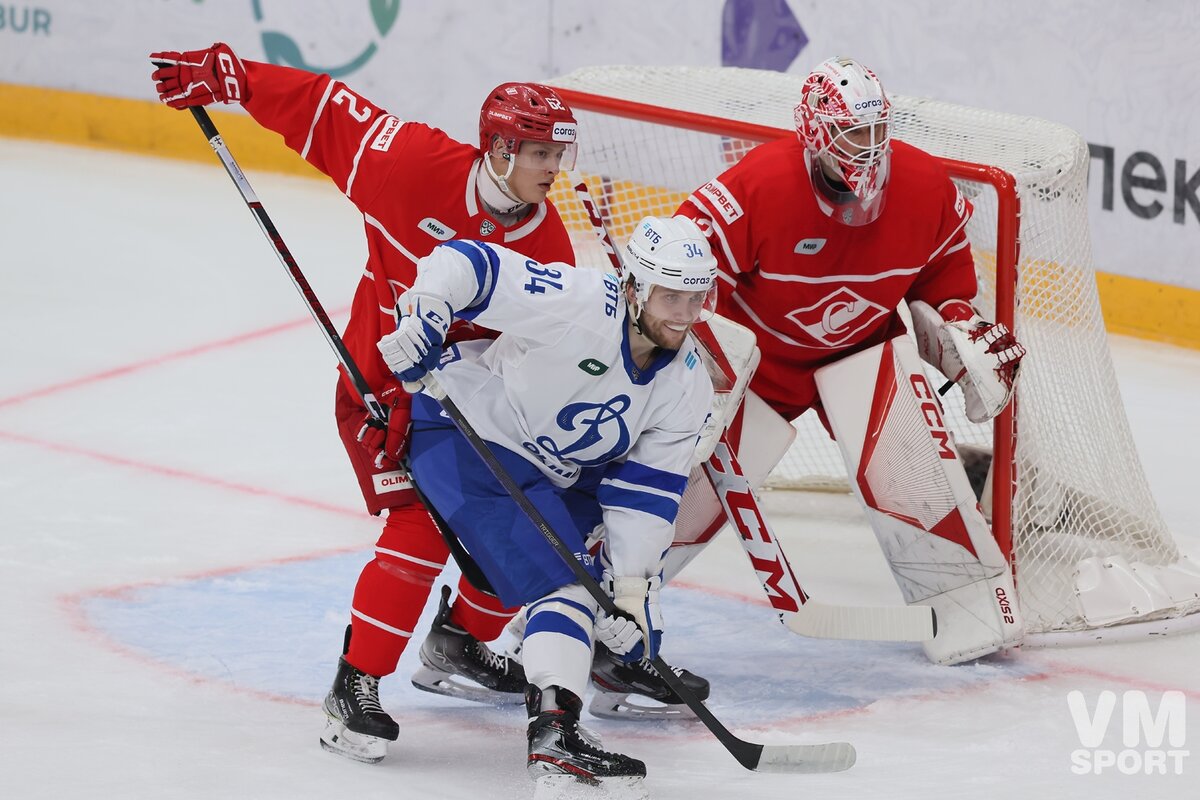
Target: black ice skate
622, 690
560, 758
357, 726
457, 664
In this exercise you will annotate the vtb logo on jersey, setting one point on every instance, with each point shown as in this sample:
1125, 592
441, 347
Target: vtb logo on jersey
838, 317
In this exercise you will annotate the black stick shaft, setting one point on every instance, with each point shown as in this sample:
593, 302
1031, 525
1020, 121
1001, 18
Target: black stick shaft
374, 407
747, 753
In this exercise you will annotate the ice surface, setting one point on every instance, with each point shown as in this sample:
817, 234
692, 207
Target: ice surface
180, 534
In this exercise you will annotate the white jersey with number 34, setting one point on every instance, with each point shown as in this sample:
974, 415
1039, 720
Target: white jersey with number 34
560, 386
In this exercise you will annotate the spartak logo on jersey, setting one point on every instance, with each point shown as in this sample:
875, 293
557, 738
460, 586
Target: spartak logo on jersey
838, 317
486, 227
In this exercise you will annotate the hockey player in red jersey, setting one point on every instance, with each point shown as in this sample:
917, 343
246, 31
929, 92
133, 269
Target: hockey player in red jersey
819, 239
416, 187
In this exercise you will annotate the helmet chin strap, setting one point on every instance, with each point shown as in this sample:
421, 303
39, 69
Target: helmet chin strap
501, 182
635, 307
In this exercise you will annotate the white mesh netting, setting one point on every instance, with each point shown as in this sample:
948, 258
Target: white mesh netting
1080, 488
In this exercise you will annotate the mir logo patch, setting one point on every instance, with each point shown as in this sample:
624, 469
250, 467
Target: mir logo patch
593, 367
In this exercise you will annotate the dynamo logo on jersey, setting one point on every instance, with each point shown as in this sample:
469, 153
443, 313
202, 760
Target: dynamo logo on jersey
596, 423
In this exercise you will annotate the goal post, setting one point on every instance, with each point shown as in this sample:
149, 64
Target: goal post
1068, 500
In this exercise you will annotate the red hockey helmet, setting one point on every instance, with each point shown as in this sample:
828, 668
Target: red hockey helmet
843, 121
519, 112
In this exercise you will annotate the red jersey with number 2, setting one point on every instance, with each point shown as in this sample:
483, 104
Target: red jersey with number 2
414, 185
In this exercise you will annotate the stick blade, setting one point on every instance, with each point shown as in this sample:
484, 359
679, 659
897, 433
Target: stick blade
801, 759
880, 624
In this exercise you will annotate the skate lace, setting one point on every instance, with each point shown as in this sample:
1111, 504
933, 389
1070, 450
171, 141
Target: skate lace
649, 667
491, 660
585, 738
366, 691
590, 739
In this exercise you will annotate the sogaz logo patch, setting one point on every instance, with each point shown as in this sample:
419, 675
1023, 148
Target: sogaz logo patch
593, 367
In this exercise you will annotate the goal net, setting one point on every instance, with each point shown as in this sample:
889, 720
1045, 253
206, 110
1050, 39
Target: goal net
1065, 490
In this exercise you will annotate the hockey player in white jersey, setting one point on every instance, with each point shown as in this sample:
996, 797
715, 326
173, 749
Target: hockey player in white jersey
593, 399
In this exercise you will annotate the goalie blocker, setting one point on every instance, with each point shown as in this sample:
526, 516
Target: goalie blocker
907, 473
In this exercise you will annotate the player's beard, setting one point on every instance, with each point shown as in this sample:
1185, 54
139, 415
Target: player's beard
662, 333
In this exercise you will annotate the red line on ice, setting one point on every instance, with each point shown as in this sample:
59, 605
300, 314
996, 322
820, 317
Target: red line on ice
155, 361
180, 474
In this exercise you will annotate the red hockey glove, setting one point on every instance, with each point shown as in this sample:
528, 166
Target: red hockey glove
200, 77
386, 444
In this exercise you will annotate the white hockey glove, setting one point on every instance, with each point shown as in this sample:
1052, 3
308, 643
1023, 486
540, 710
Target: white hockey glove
981, 357
637, 597
415, 347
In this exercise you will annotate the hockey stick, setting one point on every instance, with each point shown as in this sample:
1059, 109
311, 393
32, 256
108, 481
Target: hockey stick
376, 409
795, 758
797, 611
775, 758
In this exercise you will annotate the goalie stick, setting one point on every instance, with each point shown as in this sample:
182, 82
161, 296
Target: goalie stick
831, 757
797, 610
793, 758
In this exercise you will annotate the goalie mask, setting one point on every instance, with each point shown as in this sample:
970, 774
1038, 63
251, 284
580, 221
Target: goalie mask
673, 254
843, 122
535, 124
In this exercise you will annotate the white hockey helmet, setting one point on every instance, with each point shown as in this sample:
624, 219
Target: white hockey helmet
671, 252
843, 122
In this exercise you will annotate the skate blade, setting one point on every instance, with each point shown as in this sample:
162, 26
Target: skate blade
568, 787
336, 738
428, 679
613, 705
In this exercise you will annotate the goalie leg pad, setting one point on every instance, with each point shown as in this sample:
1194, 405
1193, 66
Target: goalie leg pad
908, 475
761, 439
974, 620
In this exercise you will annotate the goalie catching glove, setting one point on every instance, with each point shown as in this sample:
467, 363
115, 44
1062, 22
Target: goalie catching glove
200, 77
416, 345
637, 597
981, 357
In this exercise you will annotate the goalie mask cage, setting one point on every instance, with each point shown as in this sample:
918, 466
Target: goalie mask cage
1068, 498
